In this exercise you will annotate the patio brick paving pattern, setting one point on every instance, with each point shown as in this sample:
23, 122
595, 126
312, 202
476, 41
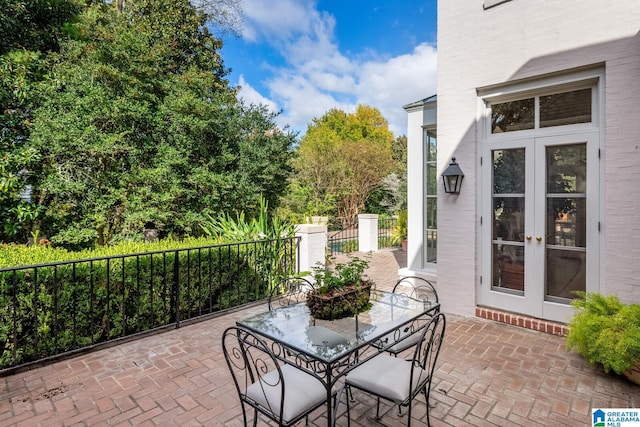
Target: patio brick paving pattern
488, 374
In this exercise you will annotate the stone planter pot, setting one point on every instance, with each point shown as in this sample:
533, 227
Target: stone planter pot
340, 303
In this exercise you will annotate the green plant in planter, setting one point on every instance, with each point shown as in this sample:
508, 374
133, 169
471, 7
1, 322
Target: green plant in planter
341, 291
605, 331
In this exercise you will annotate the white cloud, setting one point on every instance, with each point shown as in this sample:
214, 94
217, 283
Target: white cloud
277, 20
252, 96
318, 77
399, 81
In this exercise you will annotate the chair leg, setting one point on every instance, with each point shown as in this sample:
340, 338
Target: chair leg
348, 408
400, 414
426, 395
378, 409
255, 418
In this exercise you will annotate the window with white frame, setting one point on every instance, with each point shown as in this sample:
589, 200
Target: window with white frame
554, 109
431, 186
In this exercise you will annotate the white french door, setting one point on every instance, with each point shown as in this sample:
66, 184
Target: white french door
540, 235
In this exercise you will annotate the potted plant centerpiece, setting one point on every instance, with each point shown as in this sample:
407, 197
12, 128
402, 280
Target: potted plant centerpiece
607, 332
341, 291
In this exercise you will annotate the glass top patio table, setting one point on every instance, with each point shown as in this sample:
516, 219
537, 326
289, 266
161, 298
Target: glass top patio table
328, 341
329, 349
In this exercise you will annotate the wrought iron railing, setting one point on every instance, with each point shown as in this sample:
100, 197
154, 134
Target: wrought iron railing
56, 309
385, 232
342, 235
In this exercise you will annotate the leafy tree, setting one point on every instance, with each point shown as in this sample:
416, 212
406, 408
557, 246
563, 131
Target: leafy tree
341, 159
29, 32
35, 25
140, 128
391, 196
225, 15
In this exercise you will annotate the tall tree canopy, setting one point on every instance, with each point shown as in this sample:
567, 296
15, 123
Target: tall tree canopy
341, 159
29, 32
137, 126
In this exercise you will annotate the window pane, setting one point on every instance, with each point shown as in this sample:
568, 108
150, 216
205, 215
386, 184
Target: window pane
432, 179
432, 213
565, 108
431, 193
508, 171
431, 144
432, 246
512, 116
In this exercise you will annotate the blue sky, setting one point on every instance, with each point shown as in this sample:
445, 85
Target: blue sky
305, 57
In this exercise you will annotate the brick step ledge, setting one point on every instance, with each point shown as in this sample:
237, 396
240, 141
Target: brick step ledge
523, 321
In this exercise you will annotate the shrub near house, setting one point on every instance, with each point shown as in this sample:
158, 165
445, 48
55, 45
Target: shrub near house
606, 332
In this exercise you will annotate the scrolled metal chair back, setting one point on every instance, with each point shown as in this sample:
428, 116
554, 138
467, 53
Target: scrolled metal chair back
252, 364
417, 288
290, 290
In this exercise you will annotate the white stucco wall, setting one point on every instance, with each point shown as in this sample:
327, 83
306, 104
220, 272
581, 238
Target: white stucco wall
524, 39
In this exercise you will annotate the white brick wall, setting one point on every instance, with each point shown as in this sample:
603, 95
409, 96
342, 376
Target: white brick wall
523, 39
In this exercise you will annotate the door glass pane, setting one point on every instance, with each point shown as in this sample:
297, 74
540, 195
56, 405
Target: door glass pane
508, 267
566, 222
565, 108
566, 273
512, 116
566, 218
508, 218
508, 171
567, 169
508, 215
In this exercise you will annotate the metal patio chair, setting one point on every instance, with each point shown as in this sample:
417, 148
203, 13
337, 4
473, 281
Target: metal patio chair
396, 379
417, 288
280, 391
290, 290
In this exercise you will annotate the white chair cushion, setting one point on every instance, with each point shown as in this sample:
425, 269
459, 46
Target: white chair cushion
302, 392
387, 376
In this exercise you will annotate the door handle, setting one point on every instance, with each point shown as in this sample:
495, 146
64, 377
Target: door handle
539, 238
528, 237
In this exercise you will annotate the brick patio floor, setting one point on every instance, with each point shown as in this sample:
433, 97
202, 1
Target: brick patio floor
489, 374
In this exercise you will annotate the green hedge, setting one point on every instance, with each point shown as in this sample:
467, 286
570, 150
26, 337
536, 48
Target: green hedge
14, 255
50, 309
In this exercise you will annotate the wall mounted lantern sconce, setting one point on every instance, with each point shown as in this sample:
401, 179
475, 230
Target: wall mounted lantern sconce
452, 178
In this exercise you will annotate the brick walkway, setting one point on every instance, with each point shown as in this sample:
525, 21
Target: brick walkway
488, 374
